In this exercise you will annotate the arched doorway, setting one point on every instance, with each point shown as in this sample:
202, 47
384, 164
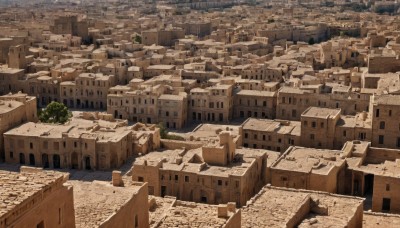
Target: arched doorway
56, 161
31, 159
45, 161
87, 163
74, 161
22, 159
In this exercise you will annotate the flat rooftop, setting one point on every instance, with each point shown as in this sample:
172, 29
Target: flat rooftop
317, 112
309, 160
266, 125
189, 214
277, 207
100, 130
191, 162
96, 201
8, 106
18, 189
377, 220
387, 100
256, 93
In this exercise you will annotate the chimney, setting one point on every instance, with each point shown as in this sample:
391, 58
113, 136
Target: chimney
117, 179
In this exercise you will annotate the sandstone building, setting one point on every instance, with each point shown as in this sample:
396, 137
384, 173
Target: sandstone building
95, 144
36, 199
216, 173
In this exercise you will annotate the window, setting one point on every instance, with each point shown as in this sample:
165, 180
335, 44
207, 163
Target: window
344, 133
220, 182
284, 179
237, 184
246, 135
305, 123
186, 178
390, 112
255, 136
11, 154
382, 125
322, 125
140, 179
381, 139
31, 145
398, 142
377, 113
312, 136
176, 178
387, 187
313, 124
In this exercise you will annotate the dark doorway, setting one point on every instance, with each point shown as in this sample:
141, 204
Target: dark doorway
40, 225
31, 159
204, 199
22, 159
163, 191
74, 161
45, 161
87, 163
385, 205
56, 161
368, 184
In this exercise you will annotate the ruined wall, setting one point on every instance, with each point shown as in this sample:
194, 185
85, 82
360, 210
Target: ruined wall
56, 210
135, 212
174, 144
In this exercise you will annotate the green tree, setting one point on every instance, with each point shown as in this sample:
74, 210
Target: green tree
138, 39
55, 112
164, 133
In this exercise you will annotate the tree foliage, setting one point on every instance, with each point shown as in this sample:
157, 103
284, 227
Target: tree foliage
164, 133
138, 39
55, 112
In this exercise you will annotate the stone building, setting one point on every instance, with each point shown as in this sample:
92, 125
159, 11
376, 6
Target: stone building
100, 204
158, 103
70, 25
318, 127
284, 207
36, 199
15, 109
215, 173
385, 110
293, 101
163, 37
212, 104
276, 135
87, 142
312, 169
252, 103
373, 173
17, 57
91, 90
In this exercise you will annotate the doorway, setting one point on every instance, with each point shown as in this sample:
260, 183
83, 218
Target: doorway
87, 163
